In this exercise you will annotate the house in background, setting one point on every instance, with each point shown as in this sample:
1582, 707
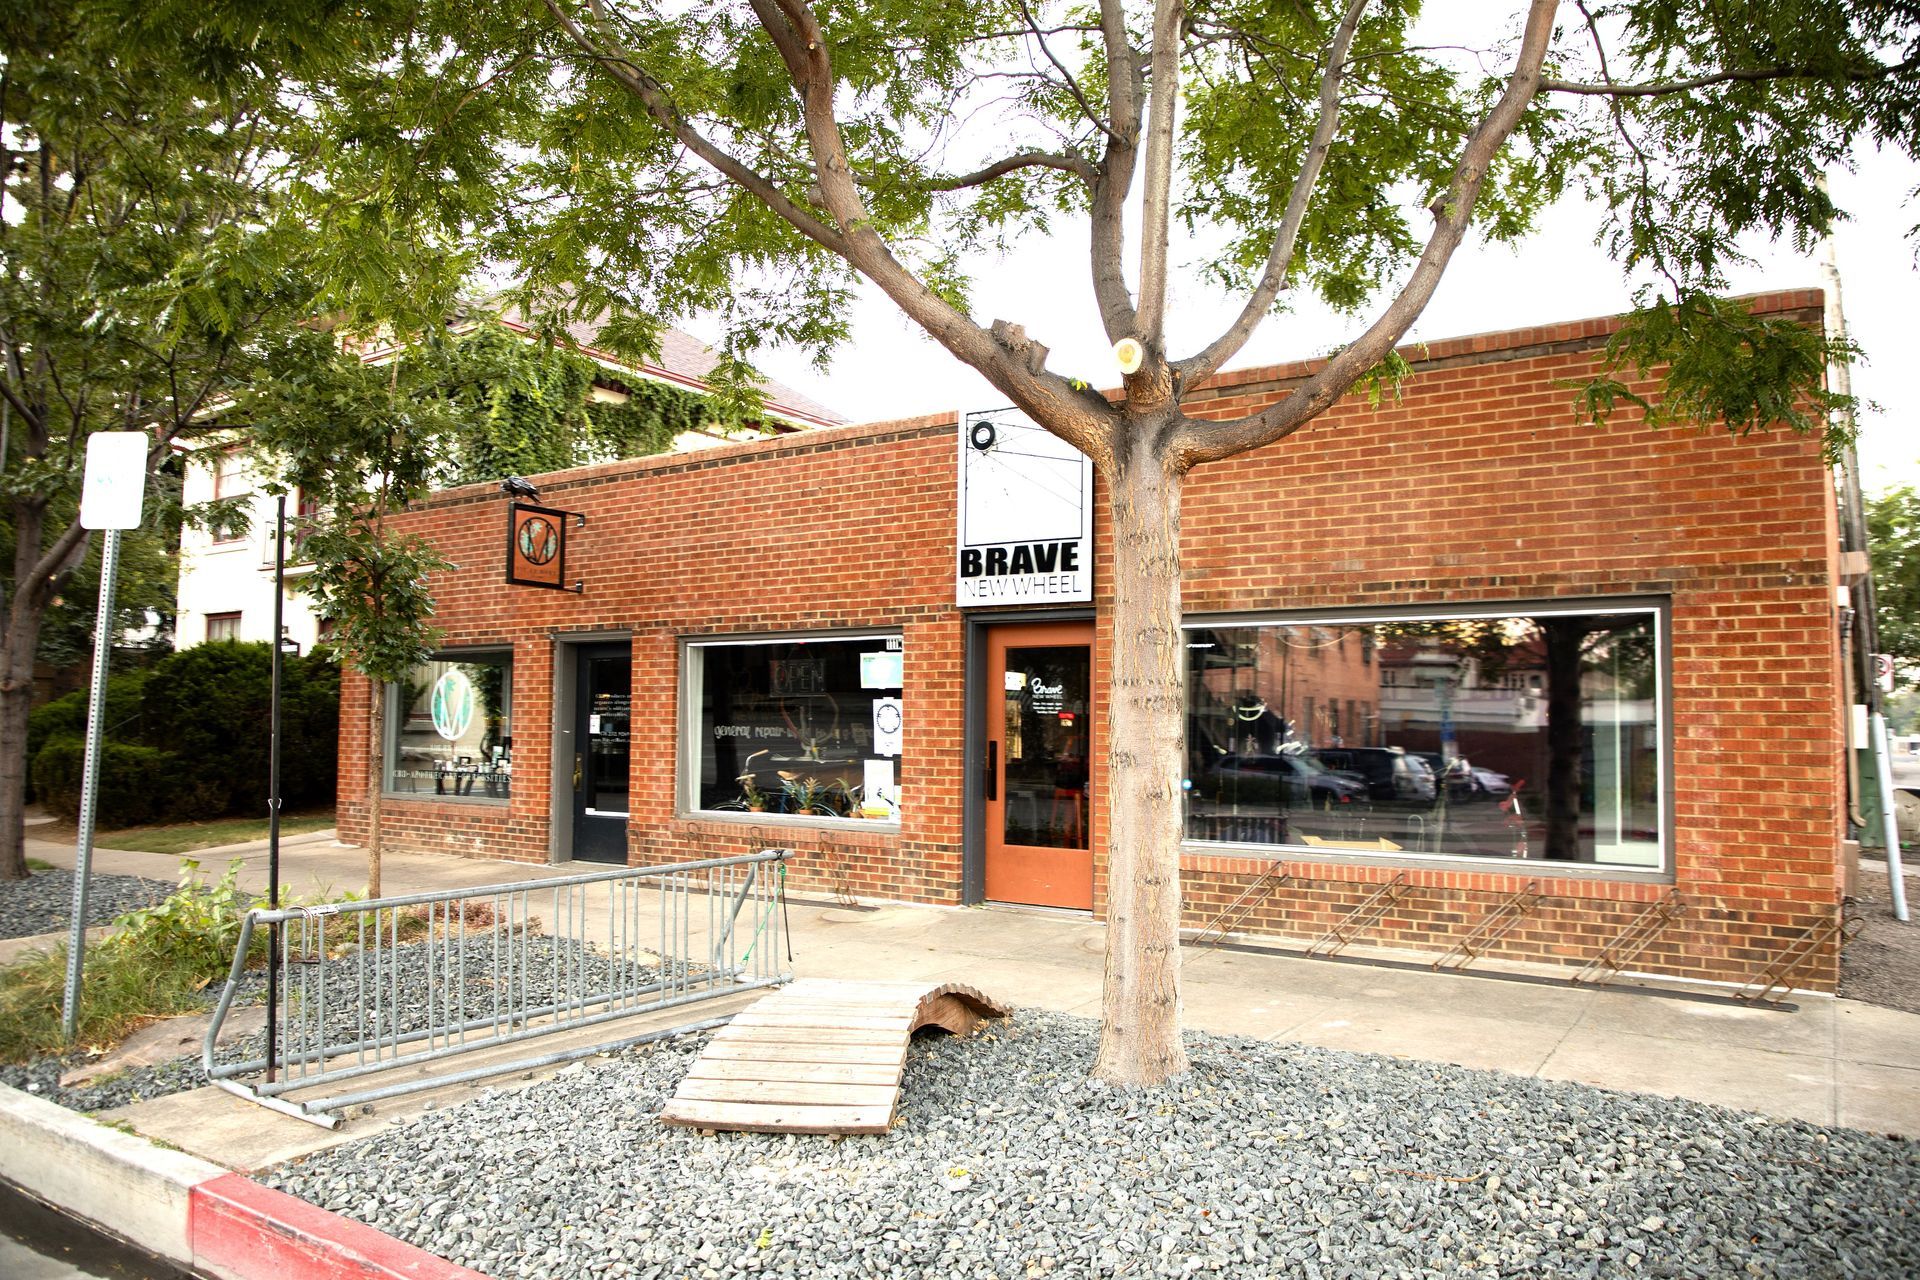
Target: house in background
226, 575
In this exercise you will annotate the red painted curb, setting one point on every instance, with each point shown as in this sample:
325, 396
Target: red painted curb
241, 1230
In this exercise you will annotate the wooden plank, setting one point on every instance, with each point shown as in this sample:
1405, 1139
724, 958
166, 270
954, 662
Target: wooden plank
824, 1035
778, 1118
896, 1023
705, 1068
806, 1093
894, 1055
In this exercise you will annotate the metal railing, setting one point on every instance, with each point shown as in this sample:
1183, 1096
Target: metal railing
369, 987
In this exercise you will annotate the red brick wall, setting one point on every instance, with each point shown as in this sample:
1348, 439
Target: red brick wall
1475, 484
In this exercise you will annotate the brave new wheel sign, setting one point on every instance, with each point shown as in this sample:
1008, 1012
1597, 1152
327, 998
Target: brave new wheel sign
1025, 517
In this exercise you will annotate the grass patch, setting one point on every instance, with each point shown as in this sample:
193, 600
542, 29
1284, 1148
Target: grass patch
39, 864
187, 837
157, 963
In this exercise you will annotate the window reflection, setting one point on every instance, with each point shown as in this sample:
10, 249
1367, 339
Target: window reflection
1525, 736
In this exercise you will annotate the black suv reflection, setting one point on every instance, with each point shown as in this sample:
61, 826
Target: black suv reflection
1291, 781
1388, 772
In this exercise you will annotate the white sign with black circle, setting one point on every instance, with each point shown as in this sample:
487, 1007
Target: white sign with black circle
1025, 514
887, 726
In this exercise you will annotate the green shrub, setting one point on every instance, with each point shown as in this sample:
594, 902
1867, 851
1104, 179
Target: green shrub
187, 739
137, 784
66, 716
209, 706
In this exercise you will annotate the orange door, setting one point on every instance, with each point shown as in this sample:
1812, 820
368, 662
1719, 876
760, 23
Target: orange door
1040, 742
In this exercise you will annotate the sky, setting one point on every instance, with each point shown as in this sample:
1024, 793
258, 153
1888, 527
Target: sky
891, 370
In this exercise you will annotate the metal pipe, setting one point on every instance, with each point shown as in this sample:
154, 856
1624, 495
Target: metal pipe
1896, 885
310, 1110
273, 776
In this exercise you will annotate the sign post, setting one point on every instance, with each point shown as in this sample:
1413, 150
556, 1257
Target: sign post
110, 498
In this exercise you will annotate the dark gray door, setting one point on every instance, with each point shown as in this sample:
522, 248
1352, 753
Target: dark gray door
602, 733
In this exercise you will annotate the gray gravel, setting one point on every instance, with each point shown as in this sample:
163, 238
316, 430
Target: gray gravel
551, 965
43, 902
1267, 1160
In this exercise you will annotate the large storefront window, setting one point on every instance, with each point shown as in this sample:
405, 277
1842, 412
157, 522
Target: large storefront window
810, 728
1534, 736
450, 729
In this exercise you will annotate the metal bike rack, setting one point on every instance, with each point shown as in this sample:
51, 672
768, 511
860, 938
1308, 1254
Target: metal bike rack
1632, 940
1493, 926
1240, 908
405, 981
1776, 977
1363, 917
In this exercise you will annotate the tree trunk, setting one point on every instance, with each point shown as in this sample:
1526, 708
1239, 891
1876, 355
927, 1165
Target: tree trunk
377, 727
17, 650
1140, 1006
16, 703
1566, 737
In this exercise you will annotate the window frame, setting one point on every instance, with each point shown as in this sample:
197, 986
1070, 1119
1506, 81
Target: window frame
686, 759
1658, 608
389, 747
224, 456
228, 615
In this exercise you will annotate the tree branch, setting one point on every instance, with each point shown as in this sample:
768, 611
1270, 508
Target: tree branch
1198, 442
1072, 85
1156, 198
1073, 164
654, 97
1609, 89
1280, 257
1005, 357
1125, 89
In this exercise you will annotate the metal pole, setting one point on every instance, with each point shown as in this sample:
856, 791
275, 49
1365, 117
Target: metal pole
90, 784
1889, 824
273, 782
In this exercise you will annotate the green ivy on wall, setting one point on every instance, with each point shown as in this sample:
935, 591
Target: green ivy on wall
524, 407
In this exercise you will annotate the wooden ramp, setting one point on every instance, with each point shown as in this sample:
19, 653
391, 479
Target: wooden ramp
819, 1056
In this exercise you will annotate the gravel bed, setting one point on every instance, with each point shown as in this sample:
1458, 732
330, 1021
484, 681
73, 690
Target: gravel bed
1267, 1160
1881, 965
550, 962
43, 902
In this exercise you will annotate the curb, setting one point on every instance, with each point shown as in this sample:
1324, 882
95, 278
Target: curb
190, 1211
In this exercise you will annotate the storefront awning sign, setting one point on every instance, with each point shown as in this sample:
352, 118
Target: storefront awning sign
1025, 514
537, 547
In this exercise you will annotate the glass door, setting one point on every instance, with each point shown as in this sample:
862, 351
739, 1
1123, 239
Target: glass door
603, 700
1037, 780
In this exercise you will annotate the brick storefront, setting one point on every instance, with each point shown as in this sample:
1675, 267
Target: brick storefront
1473, 487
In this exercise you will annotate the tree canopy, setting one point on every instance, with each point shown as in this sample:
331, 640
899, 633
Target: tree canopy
1893, 542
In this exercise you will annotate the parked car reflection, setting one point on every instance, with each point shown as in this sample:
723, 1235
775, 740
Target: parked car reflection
1288, 780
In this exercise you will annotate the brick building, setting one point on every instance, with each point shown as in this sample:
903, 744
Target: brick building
1456, 642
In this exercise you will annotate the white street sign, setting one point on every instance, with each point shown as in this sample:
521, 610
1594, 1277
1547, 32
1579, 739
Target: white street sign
116, 480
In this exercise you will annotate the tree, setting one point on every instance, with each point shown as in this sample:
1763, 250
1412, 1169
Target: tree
652, 162
1893, 542
133, 277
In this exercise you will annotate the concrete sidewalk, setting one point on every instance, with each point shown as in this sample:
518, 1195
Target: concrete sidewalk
1827, 1060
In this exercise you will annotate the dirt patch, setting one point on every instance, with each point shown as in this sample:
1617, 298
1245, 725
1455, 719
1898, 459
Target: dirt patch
1882, 964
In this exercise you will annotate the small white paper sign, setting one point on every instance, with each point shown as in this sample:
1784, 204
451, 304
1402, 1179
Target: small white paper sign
876, 786
593, 724
887, 726
115, 483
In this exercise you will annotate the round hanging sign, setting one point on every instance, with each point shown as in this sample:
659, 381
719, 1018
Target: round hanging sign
452, 705
539, 541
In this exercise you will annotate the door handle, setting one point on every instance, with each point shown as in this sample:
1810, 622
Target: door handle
992, 779
579, 770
